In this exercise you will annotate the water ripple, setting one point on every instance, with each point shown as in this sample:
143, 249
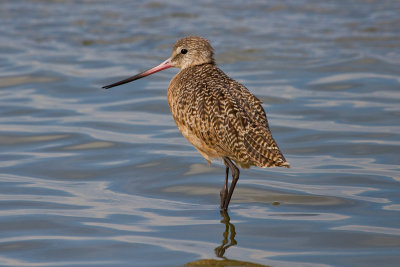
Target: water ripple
103, 177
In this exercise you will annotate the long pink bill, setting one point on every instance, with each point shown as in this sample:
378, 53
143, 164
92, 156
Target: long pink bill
164, 65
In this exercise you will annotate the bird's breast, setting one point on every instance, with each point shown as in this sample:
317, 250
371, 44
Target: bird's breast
184, 95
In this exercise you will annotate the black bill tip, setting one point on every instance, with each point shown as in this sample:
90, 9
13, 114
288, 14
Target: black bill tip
107, 87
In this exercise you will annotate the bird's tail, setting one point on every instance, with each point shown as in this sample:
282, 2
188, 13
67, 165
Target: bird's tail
263, 150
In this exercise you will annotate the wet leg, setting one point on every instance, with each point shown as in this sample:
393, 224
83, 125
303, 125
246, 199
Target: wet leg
235, 178
224, 191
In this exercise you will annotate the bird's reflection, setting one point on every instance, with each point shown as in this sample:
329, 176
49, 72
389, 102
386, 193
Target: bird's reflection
227, 242
228, 235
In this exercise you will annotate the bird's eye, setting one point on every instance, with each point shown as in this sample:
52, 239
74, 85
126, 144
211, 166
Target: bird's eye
184, 51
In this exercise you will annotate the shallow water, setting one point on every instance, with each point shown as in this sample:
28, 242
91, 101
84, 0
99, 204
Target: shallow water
104, 178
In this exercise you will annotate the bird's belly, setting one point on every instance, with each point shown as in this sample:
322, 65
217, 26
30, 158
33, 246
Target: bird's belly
206, 151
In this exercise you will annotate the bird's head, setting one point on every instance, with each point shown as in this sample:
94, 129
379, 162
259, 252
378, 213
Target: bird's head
187, 52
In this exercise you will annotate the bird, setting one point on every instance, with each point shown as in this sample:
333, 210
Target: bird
219, 116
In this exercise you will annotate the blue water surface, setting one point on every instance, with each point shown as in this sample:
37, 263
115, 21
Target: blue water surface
93, 177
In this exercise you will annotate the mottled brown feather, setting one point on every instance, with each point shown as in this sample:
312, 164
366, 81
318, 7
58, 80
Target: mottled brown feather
221, 118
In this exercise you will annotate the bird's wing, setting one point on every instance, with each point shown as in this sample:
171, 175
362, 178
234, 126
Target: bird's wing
225, 116
250, 124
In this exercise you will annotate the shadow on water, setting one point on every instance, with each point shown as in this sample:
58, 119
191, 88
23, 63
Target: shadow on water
228, 241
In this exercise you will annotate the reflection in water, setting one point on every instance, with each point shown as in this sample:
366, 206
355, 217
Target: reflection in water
228, 233
227, 242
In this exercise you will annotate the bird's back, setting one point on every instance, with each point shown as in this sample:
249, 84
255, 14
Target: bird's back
221, 118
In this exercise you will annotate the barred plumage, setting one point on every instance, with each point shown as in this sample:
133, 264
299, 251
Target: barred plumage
218, 115
221, 118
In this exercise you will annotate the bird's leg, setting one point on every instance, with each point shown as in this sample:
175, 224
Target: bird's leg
224, 191
235, 178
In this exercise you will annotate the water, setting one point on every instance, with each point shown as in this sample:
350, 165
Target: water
104, 178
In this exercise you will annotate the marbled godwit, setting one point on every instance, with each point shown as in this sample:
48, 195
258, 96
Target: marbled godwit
218, 115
